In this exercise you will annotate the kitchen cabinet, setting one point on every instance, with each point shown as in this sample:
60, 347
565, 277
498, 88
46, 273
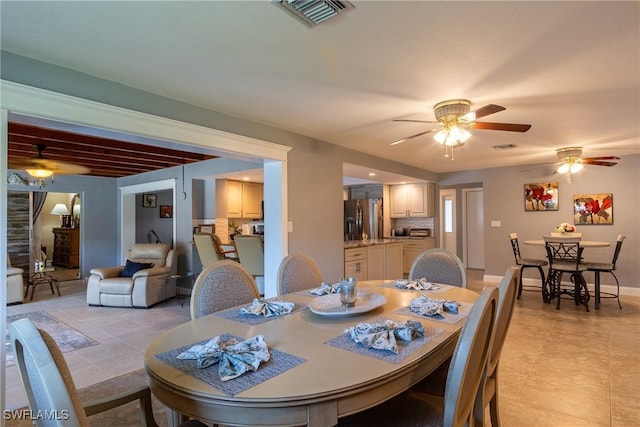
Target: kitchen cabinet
365, 192
355, 263
393, 264
244, 199
412, 248
375, 262
66, 247
412, 200
252, 200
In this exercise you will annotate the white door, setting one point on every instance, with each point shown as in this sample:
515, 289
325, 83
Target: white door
473, 228
448, 222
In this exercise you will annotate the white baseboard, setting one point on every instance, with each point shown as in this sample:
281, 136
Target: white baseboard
633, 291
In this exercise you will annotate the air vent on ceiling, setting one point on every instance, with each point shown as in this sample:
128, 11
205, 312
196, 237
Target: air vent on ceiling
313, 12
504, 146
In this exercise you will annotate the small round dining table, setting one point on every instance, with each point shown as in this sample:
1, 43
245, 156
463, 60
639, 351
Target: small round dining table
583, 244
327, 381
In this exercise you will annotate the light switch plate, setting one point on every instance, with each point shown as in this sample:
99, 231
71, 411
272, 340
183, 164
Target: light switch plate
496, 224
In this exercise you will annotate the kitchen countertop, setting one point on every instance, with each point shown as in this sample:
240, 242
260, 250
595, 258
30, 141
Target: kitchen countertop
371, 242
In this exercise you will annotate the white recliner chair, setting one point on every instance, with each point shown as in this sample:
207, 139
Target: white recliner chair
15, 284
142, 282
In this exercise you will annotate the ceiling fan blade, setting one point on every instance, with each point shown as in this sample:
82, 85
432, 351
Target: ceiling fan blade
412, 136
601, 158
488, 109
512, 127
598, 162
62, 168
415, 121
546, 165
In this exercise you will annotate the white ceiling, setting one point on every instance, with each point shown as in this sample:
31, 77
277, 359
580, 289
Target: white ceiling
571, 69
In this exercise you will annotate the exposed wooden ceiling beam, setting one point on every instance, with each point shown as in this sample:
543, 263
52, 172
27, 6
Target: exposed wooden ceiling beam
104, 156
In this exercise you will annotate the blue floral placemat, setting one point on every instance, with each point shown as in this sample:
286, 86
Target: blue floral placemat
252, 319
405, 349
441, 289
463, 310
278, 363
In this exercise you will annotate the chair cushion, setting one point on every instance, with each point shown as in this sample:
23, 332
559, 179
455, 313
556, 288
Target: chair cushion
132, 268
603, 266
532, 262
116, 286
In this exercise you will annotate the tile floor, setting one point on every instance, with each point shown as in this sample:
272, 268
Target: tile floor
558, 368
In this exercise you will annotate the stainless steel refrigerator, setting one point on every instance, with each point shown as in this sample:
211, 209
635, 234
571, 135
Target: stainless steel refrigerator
363, 216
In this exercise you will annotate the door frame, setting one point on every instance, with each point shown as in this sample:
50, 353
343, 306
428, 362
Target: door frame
465, 224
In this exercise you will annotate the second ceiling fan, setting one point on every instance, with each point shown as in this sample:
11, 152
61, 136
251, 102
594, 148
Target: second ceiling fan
455, 119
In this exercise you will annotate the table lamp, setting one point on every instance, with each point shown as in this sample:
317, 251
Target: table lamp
61, 209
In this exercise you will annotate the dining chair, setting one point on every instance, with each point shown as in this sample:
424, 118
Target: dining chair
440, 266
221, 285
206, 247
602, 267
488, 389
413, 408
435, 383
563, 255
527, 263
296, 273
50, 388
250, 249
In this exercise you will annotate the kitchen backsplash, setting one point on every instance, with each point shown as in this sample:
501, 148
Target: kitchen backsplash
412, 223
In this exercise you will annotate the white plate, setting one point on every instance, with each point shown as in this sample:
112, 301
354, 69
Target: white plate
330, 305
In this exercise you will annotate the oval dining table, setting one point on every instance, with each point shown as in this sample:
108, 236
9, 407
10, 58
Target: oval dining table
319, 375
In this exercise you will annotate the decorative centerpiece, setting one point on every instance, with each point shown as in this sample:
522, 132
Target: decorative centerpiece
565, 229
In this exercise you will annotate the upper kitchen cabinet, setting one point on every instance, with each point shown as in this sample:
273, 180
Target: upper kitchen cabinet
412, 200
365, 192
243, 199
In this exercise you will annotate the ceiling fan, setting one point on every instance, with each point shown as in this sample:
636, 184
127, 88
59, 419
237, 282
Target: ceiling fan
456, 120
41, 168
570, 160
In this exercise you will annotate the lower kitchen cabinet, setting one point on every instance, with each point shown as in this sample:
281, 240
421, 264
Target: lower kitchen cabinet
393, 265
412, 248
374, 262
355, 263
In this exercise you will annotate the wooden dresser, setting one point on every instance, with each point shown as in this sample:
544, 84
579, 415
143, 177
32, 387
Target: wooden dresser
66, 247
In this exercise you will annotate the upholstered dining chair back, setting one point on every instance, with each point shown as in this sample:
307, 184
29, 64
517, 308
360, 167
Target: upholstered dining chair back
50, 387
488, 390
221, 285
206, 247
298, 272
440, 266
250, 251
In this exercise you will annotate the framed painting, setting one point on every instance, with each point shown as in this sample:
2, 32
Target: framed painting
166, 211
593, 209
149, 200
541, 196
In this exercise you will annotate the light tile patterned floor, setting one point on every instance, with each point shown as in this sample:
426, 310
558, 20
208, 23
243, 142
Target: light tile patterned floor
559, 368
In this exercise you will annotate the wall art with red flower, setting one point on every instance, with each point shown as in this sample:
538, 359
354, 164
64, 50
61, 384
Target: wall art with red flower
541, 196
593, 209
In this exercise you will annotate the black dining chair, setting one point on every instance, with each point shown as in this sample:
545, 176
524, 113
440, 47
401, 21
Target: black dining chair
603, 267
564, 256
527, 263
